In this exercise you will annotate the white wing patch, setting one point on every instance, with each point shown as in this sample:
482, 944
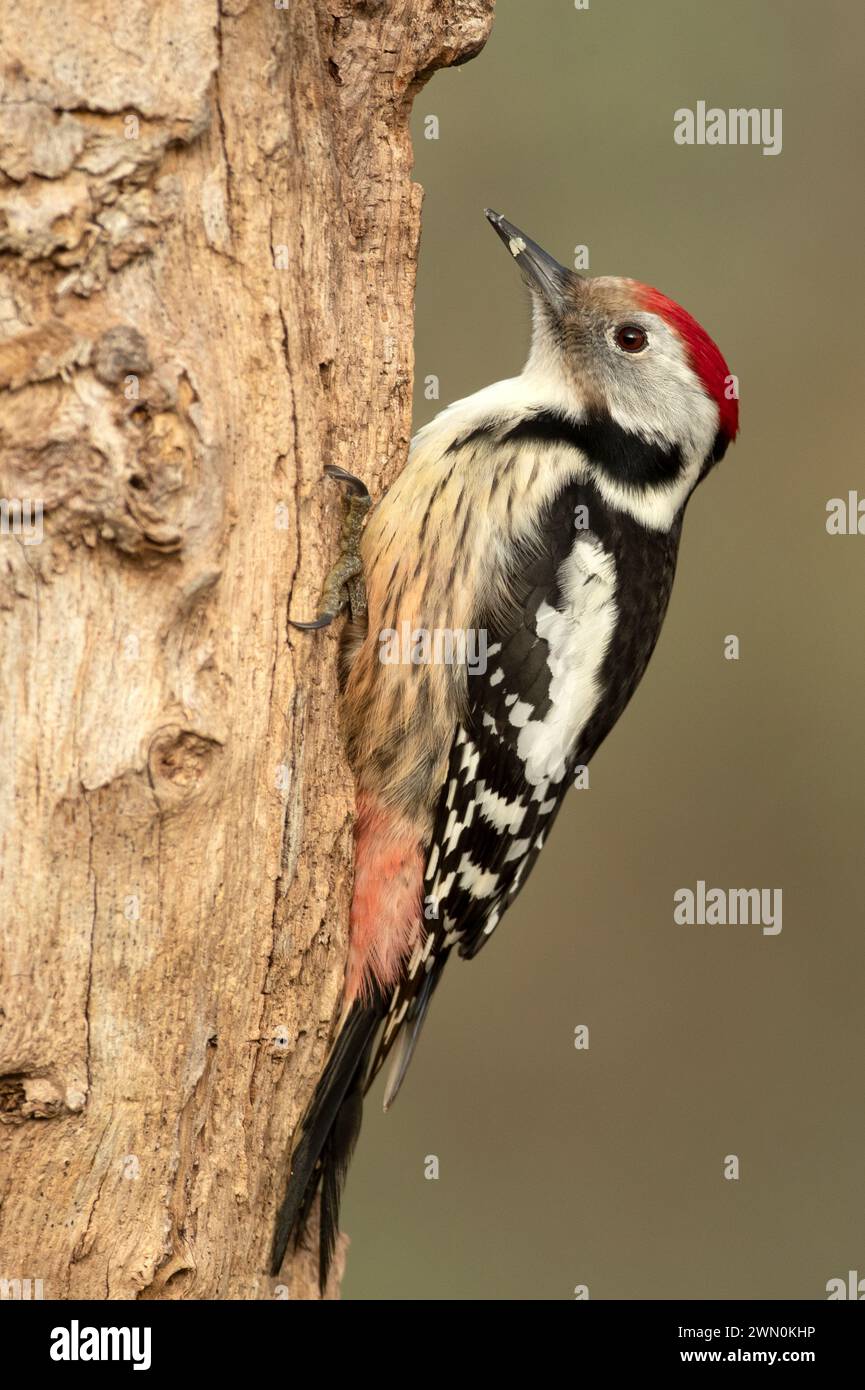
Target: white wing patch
578, 638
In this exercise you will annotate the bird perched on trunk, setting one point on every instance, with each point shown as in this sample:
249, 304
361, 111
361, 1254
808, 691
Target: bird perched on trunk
542, 513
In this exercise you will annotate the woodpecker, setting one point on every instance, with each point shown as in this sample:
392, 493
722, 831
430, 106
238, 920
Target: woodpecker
545, 512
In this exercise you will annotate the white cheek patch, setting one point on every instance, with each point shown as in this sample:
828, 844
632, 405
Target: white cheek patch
659, 398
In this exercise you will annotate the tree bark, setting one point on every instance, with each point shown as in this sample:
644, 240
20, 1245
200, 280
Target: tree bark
208, 238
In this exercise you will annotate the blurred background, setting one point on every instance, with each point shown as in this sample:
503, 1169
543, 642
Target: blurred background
605, 1167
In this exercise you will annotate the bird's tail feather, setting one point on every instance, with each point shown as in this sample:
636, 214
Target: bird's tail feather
328, 1134
407, 1036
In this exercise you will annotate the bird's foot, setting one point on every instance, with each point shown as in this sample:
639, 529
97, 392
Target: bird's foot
344, 585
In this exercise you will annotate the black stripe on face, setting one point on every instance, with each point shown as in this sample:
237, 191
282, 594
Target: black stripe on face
719, 448
624, 456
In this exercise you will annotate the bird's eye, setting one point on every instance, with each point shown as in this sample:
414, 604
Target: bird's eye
631, 338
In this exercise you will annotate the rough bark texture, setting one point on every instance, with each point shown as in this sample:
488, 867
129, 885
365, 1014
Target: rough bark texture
208, 235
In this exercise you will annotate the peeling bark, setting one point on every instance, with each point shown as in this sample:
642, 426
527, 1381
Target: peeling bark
208, 238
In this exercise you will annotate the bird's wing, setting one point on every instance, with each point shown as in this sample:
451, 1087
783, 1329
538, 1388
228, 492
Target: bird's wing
511, 759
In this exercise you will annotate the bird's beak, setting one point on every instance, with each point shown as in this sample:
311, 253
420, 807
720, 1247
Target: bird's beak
539, 270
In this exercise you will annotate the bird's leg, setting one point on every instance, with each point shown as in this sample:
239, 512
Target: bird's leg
344, 584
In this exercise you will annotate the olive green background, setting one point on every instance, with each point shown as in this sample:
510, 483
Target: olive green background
605, 1167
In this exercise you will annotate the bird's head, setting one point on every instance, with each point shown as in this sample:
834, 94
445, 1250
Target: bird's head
635, 366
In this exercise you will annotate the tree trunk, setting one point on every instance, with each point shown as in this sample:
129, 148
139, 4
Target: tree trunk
208, 237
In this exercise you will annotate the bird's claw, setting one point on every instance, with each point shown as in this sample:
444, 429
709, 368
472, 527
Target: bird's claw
344, 586
354, 486
324, 620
